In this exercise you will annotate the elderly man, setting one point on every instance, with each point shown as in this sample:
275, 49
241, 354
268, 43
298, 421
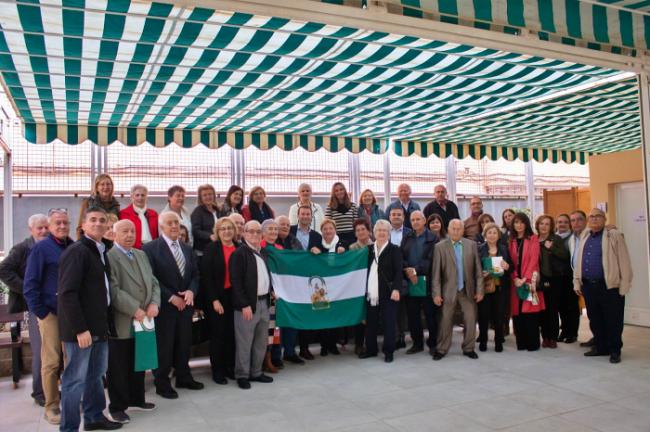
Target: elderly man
174, 265
578, 220
239, 223
285, 238
404, 201
40, 291
471, 223
441, 206
417, 252
251, 288
12, 273
144, 219
457, 279
85, 322
135, 295
603, 274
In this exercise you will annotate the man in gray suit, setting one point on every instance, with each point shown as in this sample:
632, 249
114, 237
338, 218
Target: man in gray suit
457, 278
135, 294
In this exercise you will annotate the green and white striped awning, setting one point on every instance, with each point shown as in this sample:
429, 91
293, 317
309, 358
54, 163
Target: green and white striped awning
135, 71
602, 119
618, 26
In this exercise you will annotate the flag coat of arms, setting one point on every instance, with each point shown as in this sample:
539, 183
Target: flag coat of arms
318, 291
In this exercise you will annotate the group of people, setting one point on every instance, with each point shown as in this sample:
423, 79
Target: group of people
132, 264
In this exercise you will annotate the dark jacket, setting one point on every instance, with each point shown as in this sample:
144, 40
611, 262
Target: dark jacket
112, 206
83, 294
556, 261
12, 273
502, 251
212, 274
202, 227
450, 213
166, 270
42, 276
290, 242
315, 239
425, 263
243, 277
389, 267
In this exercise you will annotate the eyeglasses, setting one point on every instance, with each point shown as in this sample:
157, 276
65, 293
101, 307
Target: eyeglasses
228, 228
256, 232
51, 211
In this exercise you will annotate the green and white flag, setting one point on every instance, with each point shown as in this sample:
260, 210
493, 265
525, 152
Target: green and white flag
318, 291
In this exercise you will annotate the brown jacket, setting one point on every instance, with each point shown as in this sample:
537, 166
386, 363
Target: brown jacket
616, 261
444, 270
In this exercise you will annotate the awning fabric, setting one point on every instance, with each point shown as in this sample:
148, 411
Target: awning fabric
135, 71
618, 26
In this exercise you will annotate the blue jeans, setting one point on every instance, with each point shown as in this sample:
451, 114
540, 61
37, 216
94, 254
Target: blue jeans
82, 379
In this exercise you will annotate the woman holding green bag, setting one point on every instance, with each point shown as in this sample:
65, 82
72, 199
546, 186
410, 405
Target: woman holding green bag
496, 263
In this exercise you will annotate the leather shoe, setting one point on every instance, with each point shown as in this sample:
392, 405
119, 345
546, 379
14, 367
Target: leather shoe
294, 359
591, 342
594, 353
570, 340
191, 385
262, 379
243, 383
103, 424
167, 393
388, 358
552, 343
438, 356
365, 355
219, 379
414, 349
482, 346
306, 354
471, 354
498, 347
615, 358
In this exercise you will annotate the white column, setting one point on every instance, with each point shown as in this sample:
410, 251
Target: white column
241, 168
93, 163
387, 189
355, 176
105, 159
644, 103
8, 204
450, 169
233, 166
530, 189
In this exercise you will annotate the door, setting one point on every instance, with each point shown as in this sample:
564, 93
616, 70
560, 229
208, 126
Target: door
631, 220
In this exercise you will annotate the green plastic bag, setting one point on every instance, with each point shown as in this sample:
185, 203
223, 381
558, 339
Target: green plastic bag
146, 349
418, 289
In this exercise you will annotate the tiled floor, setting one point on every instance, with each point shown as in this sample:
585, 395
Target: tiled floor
548, 391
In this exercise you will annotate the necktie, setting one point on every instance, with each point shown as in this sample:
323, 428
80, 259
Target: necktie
458, 251
178, 256
129, 254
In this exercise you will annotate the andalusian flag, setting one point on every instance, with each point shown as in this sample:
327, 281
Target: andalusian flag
318, 291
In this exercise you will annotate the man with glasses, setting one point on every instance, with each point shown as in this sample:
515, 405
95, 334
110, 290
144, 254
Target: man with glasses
40, 291
251, 288
603, 273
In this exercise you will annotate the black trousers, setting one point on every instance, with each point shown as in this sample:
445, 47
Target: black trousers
386, 311
402, 316
222, 337
125, 386
526, 330
490, 310
329, 337
568, 307
550, 317
174, 339
415, 307
606, 309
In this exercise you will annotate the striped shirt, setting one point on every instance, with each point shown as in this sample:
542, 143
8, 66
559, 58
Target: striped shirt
345, 220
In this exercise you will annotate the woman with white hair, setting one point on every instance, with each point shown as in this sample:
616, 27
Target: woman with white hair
384, 291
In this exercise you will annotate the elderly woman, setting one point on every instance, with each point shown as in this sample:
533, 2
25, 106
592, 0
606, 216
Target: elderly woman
257, 208
304, 199
343, 212
217, 298
384, 286
204, 217
233, 201
496, 283
437, 226
145, 219
100, 196
273, 359
363, 232
176, 203
554, 264
368, 208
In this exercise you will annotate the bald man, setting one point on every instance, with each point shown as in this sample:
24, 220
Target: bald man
135, 295
603, 274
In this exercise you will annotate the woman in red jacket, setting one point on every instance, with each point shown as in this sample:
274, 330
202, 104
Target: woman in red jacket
524, 251
141, 216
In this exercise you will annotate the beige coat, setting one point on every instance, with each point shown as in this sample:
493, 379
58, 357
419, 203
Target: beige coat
616, 261
445, 279
131, 289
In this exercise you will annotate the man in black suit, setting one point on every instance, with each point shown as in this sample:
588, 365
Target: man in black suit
174, 265
85, 321
441, 206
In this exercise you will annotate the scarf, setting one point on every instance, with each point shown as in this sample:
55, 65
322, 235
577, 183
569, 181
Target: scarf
331, 246
145, 236
342, 208
262, 214
373, 277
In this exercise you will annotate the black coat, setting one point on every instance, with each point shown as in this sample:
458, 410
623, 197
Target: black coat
82, 293
450, 213
202, 227
389, 267
315, 239
243, 277
212, 274
166, 270
425, 264
290, 242
502, 251
12, 273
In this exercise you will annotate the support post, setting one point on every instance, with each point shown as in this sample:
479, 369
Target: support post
530, 189
387, 189
355, 176
8, 203
105, 159
450, 170
93, 163
644, 103
241, 168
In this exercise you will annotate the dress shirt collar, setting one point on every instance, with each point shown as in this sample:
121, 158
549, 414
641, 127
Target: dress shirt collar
128, 253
